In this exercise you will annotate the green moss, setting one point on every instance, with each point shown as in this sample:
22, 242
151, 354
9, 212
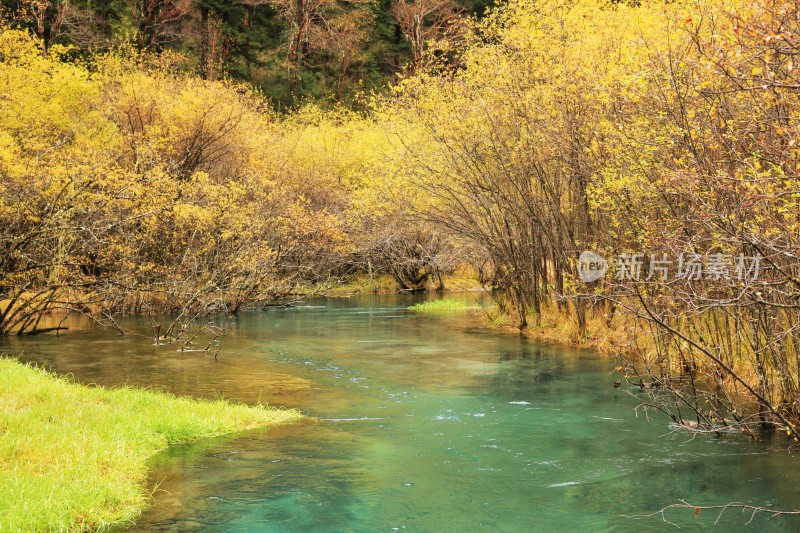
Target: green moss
74, 457
445, 305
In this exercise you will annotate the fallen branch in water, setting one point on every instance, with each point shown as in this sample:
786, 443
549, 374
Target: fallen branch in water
683, 504
38, 331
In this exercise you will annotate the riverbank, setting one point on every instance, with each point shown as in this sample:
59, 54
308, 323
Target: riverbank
461, 281
608, 337
74, 457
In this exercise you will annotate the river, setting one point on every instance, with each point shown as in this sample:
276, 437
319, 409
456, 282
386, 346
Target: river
423, 423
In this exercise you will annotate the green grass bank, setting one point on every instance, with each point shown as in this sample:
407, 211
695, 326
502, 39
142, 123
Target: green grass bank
444, 306
74, 457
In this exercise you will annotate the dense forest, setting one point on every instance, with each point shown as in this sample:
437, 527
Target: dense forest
164, 157
291, 50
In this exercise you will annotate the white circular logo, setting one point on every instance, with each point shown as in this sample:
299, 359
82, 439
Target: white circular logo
591, 266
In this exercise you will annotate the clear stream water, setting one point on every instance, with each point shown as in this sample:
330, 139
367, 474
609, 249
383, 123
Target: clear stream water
424, 423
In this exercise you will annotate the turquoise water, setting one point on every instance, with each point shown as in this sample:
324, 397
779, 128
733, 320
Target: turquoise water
425, 423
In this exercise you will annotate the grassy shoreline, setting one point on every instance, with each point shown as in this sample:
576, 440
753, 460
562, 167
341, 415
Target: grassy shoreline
608, 339
73, 457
